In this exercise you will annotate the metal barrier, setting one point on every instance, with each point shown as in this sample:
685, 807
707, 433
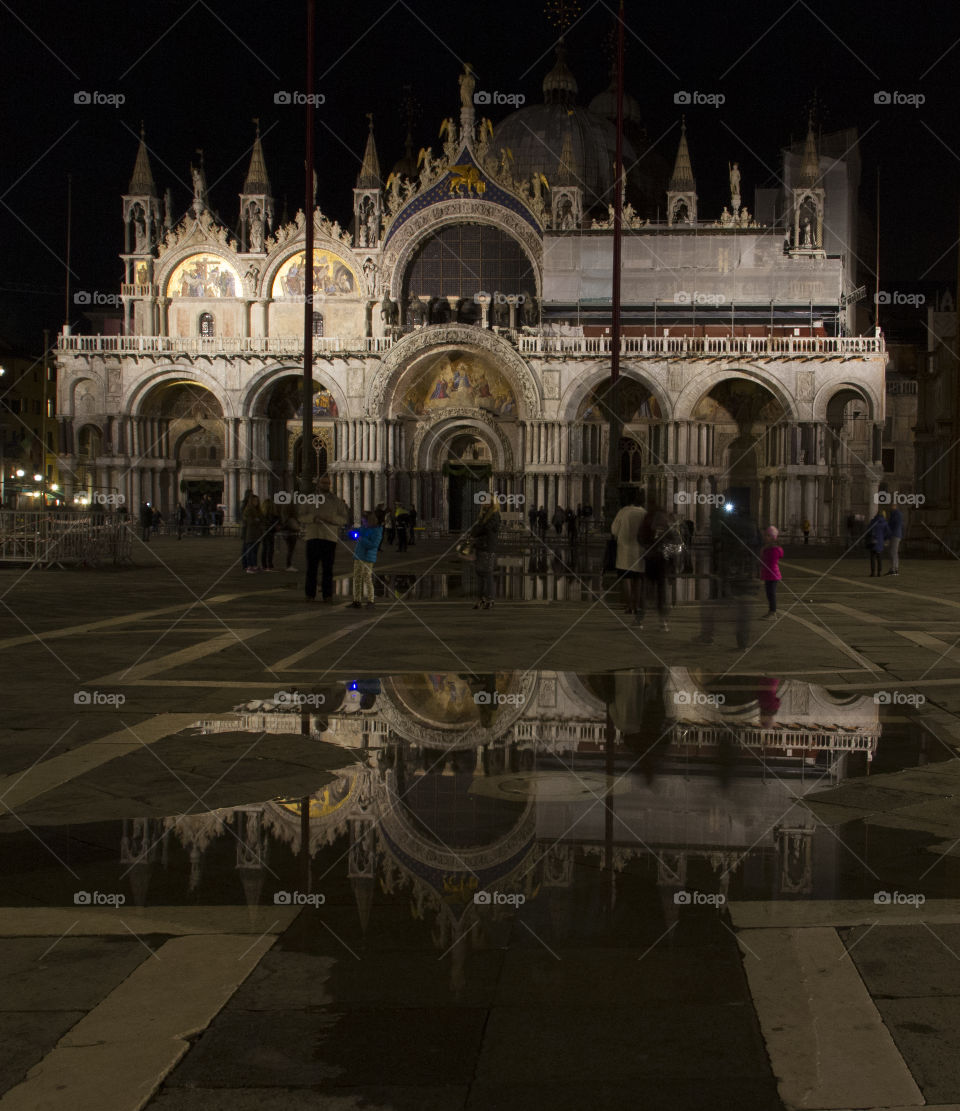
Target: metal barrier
51, 539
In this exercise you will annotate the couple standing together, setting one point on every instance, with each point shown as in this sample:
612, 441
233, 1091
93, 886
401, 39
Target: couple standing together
641, 563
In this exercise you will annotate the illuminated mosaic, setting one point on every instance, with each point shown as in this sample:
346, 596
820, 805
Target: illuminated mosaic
204, 276
331, 276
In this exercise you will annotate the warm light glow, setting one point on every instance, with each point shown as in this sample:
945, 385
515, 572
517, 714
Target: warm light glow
55, 486
19, 474
38, 478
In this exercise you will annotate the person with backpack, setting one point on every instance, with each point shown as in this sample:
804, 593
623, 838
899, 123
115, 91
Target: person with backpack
625, 529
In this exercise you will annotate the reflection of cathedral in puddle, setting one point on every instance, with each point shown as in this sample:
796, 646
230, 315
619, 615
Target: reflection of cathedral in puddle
522, 783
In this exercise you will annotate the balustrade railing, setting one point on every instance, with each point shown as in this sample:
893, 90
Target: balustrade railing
57, 539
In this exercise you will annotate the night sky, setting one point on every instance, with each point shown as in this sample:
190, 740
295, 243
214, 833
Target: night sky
197, 73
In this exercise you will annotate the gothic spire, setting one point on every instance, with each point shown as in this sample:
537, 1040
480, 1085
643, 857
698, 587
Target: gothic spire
141, 184
369, 177
810, 165
258, 181
682, 177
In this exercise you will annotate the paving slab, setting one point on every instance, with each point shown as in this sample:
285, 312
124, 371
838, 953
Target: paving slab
115, 1057
26, 1038
73, 973
927, 1033
839, 912
568, 1045
638, 1094
827, 1043
907, 961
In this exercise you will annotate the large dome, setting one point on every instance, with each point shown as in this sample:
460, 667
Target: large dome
535, 135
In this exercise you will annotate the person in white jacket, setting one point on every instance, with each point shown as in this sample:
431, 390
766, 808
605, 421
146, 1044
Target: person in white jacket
626, 529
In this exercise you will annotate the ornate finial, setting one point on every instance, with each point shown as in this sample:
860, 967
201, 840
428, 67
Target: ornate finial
370, 118
143, 131
256, 124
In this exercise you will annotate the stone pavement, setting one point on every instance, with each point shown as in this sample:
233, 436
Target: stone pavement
107, 675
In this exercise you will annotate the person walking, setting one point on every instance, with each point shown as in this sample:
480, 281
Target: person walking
629, 564
542, 522
770, 555
368, 537
181, 520
322, 531
878, 533
559, 517
146, 521
389, 525
571, 522
736, 557
895, 524
251, 530
485, 534
271, 523
806, 531
412, 524
532, 518
290, 531
656, 531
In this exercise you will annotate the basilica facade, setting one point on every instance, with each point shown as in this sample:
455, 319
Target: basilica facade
461, 335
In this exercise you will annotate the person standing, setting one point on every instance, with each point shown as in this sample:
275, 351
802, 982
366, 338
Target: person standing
878, 533
485, 534
322, 530
806, 531
895, 524
251, 529
542, 522
412, 524
271, 523
400, 521
532, 518
629, 565
656, 531
559, 517
770, 556
146, 521
290, 531
571, 522
181, 520
368, 538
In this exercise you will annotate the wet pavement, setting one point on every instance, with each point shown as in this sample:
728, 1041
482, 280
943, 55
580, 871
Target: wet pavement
247, 865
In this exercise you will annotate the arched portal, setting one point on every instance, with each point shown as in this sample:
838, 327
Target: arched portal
181, 424
280, 408
741, 442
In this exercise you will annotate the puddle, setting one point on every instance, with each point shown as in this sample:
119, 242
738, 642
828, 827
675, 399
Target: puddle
439, 787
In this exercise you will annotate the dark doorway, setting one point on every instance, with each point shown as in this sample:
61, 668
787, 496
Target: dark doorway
465, 483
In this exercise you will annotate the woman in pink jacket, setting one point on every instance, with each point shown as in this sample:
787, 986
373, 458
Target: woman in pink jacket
770, 556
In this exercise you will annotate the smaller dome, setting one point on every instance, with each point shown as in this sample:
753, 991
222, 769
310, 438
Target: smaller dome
605, 104
560, 86
407, 165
